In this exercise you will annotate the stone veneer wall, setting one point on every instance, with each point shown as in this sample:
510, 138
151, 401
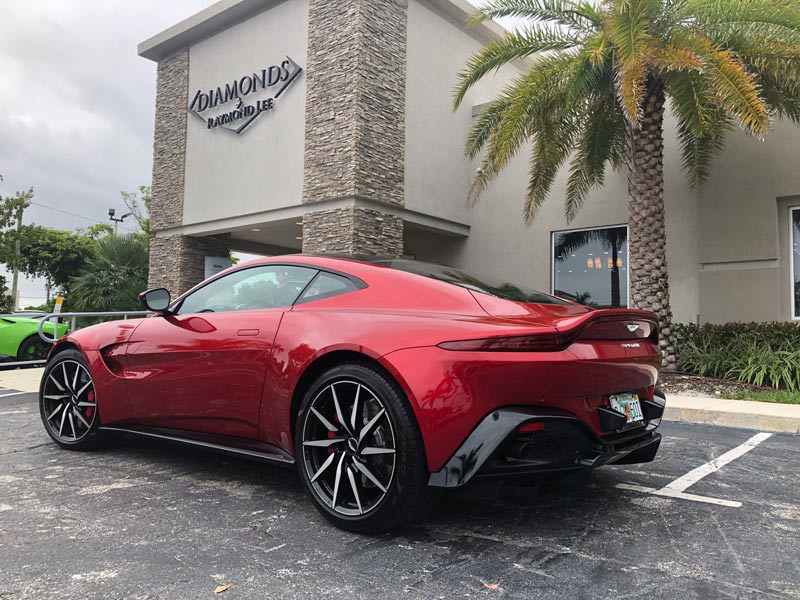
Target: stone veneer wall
177, 262
355, 123
353, 230
169, 146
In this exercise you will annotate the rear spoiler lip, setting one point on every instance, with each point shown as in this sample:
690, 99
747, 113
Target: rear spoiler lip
577, 325
569, 324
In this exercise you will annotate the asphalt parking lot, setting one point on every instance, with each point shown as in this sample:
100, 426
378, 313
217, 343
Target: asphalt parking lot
152, 520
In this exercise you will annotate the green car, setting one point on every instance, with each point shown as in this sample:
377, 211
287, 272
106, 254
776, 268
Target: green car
19, 337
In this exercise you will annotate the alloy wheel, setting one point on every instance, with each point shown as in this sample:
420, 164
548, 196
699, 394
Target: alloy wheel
349, 448
36, 351
69, 402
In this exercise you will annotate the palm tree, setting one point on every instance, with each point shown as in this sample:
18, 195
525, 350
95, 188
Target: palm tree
595, 96
113, 277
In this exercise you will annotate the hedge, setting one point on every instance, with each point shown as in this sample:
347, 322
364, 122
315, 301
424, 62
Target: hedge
756, 353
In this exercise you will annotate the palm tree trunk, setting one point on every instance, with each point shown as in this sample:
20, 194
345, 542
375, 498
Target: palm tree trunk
647, 236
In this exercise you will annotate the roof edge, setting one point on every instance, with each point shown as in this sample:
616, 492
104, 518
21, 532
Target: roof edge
202, 25
226, 13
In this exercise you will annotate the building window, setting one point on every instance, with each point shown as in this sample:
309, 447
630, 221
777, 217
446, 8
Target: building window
590, 266
795, 261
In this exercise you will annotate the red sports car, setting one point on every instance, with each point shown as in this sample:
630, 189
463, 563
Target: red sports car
383, 381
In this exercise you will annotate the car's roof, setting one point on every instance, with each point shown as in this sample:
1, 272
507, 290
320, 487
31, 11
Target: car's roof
352, 264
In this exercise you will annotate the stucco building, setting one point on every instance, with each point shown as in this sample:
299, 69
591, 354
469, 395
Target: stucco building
327, 126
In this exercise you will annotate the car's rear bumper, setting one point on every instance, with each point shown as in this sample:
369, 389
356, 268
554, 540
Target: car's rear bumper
497, 449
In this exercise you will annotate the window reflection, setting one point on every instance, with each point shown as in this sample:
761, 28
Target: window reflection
796, 259
591, 266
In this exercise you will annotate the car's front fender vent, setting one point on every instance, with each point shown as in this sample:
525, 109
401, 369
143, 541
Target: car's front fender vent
114, 358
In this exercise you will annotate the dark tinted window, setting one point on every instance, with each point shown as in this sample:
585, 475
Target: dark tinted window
590, 266
478, 283
248, 289
796, 260
326, 285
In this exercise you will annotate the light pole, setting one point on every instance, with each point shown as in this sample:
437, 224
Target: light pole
117, 220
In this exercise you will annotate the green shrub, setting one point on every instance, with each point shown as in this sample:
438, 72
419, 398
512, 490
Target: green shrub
765, 354
780, 396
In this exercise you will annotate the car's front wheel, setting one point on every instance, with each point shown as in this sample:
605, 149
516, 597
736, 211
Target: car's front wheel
68, 403
359, 451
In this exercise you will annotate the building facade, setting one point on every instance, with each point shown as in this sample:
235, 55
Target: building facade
327, 126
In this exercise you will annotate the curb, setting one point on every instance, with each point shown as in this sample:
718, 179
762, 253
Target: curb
744, 420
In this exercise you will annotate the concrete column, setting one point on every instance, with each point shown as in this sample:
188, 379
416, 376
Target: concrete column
355, 124
177, 262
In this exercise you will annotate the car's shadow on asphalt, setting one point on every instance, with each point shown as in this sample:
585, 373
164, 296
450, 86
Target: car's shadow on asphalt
552, 510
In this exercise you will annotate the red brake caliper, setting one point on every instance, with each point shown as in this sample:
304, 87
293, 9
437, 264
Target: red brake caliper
90, 410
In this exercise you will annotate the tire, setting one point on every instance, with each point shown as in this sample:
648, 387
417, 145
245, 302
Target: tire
33, 348
377, 455
68, 404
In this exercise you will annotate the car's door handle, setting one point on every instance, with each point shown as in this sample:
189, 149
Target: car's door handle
247, 332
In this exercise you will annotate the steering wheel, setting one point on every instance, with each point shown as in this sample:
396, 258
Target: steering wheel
252, 304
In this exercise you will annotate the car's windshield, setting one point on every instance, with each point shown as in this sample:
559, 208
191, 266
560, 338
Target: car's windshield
479, 283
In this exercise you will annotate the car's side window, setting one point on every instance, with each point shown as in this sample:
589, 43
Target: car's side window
270, 286
326, 285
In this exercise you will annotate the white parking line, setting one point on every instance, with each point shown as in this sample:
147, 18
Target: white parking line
677, 488
13, 394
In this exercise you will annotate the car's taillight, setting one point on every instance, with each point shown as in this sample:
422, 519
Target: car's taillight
517, 343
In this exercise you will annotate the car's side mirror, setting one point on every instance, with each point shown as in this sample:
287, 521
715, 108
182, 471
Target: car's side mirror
156, 300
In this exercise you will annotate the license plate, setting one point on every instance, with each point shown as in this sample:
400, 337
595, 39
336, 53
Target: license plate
628, 405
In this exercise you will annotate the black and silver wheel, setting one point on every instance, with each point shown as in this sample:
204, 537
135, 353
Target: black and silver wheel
67, 402
359, 450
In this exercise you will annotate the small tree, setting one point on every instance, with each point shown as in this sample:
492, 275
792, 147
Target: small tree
113, 276
138, 203
55, 255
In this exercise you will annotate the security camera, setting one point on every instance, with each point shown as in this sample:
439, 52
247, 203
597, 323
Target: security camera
111, 212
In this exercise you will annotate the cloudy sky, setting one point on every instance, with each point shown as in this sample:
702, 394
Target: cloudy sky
76, 121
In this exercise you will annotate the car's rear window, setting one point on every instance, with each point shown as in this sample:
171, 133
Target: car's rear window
478, 283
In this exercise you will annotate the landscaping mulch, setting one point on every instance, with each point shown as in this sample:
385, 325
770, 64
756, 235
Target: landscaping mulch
694, 385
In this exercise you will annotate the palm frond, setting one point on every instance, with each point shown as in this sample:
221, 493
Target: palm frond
764, 14
781, 94
736, 88
486, 123
691, 101
543, 89
676, 58
627, 28
697, 151
578, 15
513, 46
524, 110
552, 145
602, 141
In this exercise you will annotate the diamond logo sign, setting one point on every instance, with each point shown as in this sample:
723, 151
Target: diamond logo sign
236, 104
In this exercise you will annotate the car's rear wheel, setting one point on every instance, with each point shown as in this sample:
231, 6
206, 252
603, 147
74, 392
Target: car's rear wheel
33, 348
68, 402
359, 451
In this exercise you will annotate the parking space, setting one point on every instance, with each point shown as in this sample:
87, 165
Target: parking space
151, 520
